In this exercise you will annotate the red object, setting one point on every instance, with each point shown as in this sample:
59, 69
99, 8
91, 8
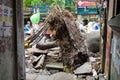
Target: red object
86, 3
48, 32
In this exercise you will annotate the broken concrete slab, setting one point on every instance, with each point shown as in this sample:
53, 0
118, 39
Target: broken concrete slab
44, 72
81, 79
57, 76
31, 76
90, 78
84, 69
31, 71
52, 71
63, 76
55, 65
102, 77
81, 76
42, 77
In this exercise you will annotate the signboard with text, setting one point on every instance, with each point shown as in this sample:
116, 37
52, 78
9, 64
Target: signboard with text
86, 7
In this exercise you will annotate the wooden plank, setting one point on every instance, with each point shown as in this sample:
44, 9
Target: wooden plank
40, 63
53, 53
36, 50
55, 49
36, 59
54, 66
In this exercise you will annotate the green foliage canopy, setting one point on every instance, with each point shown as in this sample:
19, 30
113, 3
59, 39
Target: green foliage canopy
61, 3
28, 3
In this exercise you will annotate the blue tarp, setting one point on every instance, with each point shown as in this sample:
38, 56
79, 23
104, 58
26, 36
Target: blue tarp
43, 9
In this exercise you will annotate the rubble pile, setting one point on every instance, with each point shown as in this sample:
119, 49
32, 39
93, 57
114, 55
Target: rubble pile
36, 58
66, 46
66, 36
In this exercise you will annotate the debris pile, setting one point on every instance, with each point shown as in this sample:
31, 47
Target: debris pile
65, 48
36, 58
66, 36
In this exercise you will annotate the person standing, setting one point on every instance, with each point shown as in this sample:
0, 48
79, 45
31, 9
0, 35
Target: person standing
27, 29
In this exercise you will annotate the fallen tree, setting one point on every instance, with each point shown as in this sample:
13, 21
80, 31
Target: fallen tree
66, 33
68, 45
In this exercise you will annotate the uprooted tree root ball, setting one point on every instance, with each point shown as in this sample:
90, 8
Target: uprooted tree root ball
61, 33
